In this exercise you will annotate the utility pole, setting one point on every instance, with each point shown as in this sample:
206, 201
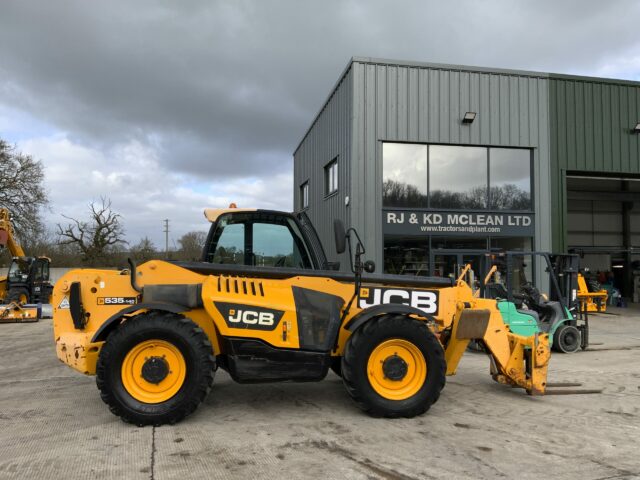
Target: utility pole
166, 238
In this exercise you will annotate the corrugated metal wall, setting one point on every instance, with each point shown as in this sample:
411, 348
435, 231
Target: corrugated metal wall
425, 104
590, 132
328, 137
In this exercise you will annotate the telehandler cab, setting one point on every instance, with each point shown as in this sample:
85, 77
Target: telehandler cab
265, 305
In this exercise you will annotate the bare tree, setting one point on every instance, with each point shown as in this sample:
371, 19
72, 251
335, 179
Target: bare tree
96, 238
144, 250
191, 245
22, 190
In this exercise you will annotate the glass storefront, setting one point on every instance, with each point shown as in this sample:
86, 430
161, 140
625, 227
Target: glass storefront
511, 243
455, 177
455, 204
405, 174
510, 179
406, 256
443, 256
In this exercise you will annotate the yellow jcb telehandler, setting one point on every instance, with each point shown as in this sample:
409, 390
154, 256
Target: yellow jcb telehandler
265, 305
26, 286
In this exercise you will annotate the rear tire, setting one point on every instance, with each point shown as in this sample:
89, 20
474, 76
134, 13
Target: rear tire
165, 389
566, 339
18, 295
401, 345
476, 346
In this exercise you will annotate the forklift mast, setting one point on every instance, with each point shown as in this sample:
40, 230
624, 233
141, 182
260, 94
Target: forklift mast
562, 270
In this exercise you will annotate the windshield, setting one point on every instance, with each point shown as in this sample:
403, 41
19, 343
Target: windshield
19, 269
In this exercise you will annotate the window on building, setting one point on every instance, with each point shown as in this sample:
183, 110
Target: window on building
404, 175
511, 243
510, 178
459, 243
457, 177
406, 256
450, 255
331, 177
304, 195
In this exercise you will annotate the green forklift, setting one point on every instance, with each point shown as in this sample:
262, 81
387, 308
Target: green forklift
525, 309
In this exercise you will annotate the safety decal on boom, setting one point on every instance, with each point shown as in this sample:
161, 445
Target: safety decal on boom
249, 316
424, 300
64, 304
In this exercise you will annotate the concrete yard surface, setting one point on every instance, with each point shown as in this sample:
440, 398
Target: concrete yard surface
54, 425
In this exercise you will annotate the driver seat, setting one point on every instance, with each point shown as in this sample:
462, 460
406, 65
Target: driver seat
552, 312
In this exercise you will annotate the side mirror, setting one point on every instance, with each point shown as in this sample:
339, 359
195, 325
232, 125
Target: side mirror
369, 266
340, 235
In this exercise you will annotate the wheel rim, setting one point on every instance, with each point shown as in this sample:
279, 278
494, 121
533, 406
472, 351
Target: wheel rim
22, 298
396, 369
153, 371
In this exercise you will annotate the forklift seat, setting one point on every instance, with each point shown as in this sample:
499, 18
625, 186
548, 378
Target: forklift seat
495, 290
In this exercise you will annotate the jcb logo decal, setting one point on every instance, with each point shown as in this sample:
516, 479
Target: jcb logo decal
249, 316
427, 301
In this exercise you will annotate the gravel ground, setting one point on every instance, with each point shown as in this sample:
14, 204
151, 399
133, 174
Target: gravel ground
53, 423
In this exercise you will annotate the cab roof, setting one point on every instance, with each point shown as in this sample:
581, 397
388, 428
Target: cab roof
212, 214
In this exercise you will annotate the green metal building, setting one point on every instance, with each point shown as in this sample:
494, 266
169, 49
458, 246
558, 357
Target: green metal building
433, 162
595, 165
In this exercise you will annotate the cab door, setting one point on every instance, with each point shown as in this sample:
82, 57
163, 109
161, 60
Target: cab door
40, 286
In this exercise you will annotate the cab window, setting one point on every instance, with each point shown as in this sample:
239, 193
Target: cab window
262, 240
230, 245
19, 270
38, 274
274, 246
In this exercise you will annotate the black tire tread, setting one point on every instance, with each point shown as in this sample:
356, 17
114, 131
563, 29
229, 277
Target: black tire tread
557, 346
13, 295
160, 319
349, 371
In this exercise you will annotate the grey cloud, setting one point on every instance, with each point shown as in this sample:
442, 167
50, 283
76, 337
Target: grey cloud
249, 75
225, 89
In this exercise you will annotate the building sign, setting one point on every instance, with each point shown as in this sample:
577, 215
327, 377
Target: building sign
485, 224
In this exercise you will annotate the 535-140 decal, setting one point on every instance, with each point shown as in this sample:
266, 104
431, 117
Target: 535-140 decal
117, 300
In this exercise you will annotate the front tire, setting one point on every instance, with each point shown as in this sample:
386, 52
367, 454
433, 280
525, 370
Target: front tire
156, 368
566, 339
18, 295
393, 366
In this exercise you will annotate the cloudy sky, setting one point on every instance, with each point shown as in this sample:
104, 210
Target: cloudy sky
171, 106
